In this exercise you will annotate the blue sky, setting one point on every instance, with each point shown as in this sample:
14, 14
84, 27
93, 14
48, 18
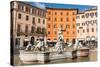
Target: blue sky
58, 5
80, 7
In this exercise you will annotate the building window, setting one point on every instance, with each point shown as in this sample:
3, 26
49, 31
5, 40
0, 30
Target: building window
54, 25
92, 29
61, 25
55, 32
18, 28
33, 21
48, 32
83, 16
73, 26
48, 38
73, 19
87, 30
96, 21
38, 30
38, 12
27, 9
26, 29
73, 41
17, 40
67, 13
48, 25
43, 21
33, 11
67, 32
19, 16
67, 40
73, 32
49, 12
67, 19
83, 30
43, 13
55, 13
92, 14
96, 14
61, 13
78, 31
27, 18
43, 30
39, 20
73, 13
77, 24
77, 17
83, 24
49, 19
32, 29
61, 19
20, 7
55, 19
87, 15
55, 39
67, 26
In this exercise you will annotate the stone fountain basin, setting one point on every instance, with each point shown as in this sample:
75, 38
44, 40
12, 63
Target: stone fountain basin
84, 51
35, 56
65, 54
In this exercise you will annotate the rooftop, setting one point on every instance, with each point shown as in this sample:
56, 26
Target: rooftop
43, 5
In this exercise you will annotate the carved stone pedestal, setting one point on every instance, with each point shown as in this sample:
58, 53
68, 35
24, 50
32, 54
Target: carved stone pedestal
31, 56
83, 52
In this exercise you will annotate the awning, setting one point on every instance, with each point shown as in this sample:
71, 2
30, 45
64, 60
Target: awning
81, 39
93, 38
88, 38
26, 40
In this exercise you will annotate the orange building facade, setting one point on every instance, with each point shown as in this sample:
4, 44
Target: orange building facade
61, 18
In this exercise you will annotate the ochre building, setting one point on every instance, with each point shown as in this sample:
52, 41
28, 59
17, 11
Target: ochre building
61, 18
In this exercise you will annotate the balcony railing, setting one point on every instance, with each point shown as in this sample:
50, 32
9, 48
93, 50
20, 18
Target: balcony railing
31, 34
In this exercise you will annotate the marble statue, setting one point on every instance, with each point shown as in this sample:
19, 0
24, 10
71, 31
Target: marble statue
60, 41
40, 45
29, 46
77, 45
70, 44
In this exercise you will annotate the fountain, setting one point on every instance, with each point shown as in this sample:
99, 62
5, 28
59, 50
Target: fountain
40, 53
60, 42
58, 51
36, 53
81, 50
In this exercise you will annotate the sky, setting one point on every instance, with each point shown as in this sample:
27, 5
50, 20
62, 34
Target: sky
58, 5
80, 7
